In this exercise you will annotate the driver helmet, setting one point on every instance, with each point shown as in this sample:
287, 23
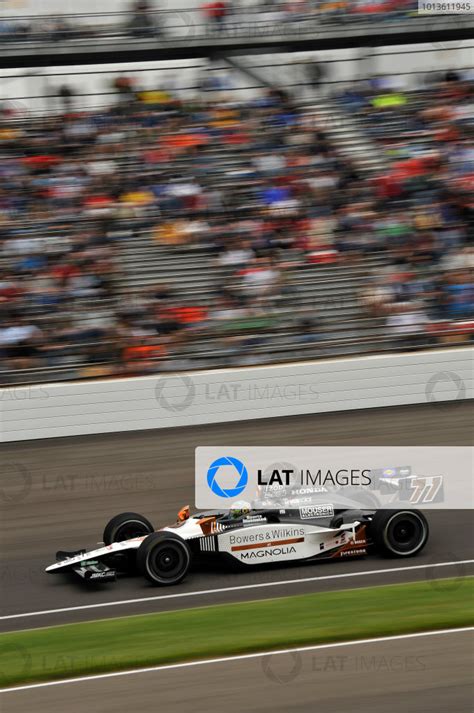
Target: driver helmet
240, 508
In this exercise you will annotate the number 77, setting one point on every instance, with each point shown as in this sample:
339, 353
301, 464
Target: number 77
432, 484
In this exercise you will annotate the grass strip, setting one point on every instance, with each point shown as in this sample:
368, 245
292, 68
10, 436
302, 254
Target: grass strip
135, 641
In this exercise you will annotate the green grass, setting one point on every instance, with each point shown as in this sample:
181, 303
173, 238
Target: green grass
128, 642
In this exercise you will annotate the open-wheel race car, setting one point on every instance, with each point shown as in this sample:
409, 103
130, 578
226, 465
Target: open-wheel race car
246, 537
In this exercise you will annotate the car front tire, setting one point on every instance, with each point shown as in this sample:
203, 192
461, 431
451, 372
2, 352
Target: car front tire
163, 558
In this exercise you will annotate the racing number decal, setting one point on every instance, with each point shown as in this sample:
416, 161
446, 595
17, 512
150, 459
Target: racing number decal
426, 489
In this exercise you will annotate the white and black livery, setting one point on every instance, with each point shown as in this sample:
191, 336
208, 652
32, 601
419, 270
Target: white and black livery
246, 537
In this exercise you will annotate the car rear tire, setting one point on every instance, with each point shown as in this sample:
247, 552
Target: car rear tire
163, 558
126, 526
399, 533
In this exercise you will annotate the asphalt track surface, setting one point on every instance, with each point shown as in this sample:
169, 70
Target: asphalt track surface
415, 675
58, 494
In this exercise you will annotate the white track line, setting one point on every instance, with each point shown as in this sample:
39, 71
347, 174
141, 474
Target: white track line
242, 587
239, 657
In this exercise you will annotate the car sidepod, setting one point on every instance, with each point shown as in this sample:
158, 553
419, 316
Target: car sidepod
286, 542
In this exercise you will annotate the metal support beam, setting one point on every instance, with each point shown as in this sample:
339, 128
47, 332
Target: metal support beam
249, 72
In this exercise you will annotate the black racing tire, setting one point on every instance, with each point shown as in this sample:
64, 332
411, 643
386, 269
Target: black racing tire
399, 533
163, 558
126, 526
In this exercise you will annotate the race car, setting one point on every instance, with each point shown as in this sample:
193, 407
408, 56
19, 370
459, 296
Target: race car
245, 537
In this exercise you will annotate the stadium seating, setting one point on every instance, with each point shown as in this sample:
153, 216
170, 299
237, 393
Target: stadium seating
117, 259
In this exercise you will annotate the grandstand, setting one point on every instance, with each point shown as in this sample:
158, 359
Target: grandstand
168, 230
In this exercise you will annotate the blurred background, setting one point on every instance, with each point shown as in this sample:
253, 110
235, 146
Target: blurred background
57, 20
230, 209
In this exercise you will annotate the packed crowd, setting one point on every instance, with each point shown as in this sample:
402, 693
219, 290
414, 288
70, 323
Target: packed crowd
257, 184
426, 138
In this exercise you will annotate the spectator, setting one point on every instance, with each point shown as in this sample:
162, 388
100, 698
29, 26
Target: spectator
215, 13
143, 23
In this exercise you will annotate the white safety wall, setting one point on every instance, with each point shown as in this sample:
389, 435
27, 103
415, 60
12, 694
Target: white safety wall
49, 411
